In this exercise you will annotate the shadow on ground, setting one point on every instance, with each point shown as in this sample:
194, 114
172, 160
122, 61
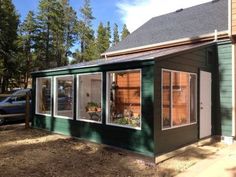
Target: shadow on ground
38, 153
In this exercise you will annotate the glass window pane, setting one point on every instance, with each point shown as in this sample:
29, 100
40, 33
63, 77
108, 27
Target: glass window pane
180, 96
193, 98
43, 96
166, 99
64, 96
124, 95
89, 97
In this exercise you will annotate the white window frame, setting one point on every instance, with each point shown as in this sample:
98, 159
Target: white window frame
171, 90
36, 96
108, 97
55, 96
77, 98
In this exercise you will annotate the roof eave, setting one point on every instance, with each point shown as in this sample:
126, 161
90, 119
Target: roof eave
183, 41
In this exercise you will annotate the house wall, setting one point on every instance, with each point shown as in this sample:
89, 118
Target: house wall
141, 141
233, 16
191, 61
225, 88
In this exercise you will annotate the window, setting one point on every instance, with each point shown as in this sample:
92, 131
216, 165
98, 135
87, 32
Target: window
43, 96
89, 97
64, 91
124, 98
179, 98
19, 96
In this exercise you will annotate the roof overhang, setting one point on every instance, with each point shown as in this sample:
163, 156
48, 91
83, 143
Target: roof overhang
134, 57
202, 38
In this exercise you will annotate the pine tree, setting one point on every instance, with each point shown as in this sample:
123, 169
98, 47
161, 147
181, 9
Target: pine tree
101, 42
71, 27
57, 32
44, 43
108, 36
9, 21
125, 32
86, 33
26, 43
116, 37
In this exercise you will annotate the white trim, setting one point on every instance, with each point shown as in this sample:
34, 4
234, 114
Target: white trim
124, 126
233, 91
90, 121
36, 97
168, 43
179, 126
55, 106
189, 109
108, 98
230, 18
77, 97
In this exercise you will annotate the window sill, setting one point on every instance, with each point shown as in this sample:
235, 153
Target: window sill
41, 114
89, 121
124, 126
63, 117
180, 126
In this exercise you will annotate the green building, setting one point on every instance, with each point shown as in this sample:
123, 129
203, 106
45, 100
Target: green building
170, 83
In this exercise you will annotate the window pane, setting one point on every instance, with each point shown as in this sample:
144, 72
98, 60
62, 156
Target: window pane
43, 96
166, 99
64, 96
89, 97
124, 98
193, 98
180, 94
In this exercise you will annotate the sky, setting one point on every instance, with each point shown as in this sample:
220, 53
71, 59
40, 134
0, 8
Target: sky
133, 13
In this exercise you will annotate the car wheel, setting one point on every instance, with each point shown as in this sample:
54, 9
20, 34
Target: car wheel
2, 120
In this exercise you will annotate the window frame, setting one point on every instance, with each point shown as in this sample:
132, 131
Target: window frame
171, 100
55, 95
77, 98
36, 96
108, 96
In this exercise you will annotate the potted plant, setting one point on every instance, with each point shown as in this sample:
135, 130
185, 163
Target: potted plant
92, 107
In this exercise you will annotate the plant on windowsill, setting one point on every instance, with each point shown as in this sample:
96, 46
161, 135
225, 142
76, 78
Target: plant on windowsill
92, 107
166, 121
129, 121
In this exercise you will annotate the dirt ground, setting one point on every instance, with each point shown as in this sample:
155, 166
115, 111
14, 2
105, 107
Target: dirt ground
26, 153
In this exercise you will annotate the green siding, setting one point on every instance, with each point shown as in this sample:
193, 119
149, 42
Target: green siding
141, 141
151, 140
191, 61
225, 88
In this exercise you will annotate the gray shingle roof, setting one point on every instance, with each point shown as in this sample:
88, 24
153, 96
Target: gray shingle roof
190, 22
142, 56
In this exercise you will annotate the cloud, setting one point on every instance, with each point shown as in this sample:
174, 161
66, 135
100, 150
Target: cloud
139, 11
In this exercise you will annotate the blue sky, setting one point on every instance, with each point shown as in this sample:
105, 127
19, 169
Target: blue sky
103, 10
131, 12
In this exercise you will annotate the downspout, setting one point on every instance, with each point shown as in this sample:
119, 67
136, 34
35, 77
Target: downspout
230, 20
216, 36
233, 66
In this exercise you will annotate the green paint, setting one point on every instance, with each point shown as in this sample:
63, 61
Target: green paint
140, 141
225, 86
192, 61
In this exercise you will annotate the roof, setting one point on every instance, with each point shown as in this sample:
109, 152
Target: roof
142, 56
187, 23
